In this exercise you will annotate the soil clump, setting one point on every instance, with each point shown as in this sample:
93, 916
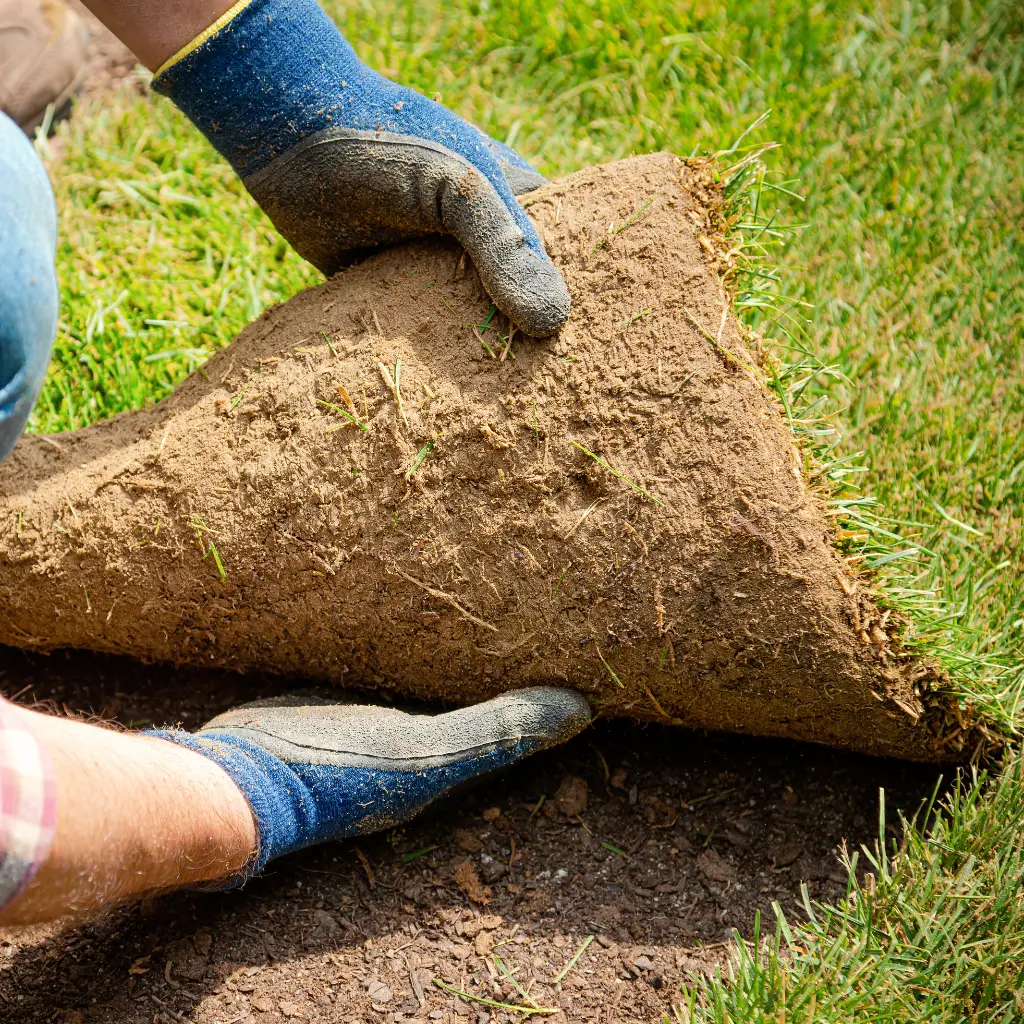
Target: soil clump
379, 484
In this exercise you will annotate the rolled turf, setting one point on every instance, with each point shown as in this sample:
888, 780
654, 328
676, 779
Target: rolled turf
377, 484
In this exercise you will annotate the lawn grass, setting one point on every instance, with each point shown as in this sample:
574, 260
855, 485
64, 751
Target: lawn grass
937, 934
899, 123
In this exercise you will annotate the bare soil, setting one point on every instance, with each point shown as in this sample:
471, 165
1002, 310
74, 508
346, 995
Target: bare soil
711, 829
367, 489
108, 62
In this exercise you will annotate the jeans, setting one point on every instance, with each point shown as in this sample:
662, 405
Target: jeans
28, 280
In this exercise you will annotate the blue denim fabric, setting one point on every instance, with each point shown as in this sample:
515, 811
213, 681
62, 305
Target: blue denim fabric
28, 280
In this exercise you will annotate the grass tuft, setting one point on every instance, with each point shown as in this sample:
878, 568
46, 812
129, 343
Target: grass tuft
418, 460
344, 412
524, 1011
936, 932
889, 556
632, 218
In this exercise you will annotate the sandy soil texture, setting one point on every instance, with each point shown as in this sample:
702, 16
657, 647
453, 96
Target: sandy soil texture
378, 484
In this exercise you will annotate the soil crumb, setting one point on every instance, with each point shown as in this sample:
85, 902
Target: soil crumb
380, 483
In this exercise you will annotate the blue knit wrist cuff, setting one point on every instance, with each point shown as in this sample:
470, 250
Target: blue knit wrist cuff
275, 73
271, 73
299, 805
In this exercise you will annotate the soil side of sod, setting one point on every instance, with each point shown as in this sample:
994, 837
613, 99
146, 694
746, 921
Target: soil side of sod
656, 841
379, 484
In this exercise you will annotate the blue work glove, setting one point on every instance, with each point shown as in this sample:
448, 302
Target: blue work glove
344, 161
315, 771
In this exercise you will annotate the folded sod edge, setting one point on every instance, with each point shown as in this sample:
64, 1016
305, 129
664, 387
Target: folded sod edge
379, 483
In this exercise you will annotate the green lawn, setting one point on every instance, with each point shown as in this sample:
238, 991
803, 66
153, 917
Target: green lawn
901, 126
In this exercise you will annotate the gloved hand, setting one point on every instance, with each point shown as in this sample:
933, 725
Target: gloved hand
314, 771
343, 160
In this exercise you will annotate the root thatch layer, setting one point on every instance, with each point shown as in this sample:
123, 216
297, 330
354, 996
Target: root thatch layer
366, 488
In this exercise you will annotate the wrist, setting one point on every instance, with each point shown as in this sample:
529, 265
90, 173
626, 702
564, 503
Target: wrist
219, 839
132, 816
258, 779
154, 31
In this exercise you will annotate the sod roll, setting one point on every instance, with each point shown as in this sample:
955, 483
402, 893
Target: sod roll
377, 485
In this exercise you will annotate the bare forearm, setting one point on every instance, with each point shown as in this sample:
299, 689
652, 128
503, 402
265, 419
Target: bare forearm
134, 814
156, 29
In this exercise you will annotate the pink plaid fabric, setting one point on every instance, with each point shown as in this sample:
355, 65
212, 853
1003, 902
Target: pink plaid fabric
28, 803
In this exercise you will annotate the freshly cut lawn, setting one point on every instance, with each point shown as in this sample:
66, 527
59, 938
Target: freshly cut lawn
900, 124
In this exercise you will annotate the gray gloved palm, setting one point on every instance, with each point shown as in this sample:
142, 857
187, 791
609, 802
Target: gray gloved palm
344, 160
315, 770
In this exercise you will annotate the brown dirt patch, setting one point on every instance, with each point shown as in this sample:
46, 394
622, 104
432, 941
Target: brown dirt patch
109, 62
714, 828
461, 538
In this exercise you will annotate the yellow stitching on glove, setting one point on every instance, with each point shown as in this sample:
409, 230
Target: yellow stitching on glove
207, 33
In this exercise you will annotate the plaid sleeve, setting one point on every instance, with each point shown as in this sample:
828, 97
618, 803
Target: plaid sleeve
28, 803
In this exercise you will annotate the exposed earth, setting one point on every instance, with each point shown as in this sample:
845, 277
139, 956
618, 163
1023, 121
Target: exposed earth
656, 841
378, 484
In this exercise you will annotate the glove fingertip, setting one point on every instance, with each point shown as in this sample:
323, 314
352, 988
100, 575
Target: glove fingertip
570, 713
548, 714
536, 299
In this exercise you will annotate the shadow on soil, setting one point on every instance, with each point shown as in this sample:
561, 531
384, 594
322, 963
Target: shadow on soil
656, 842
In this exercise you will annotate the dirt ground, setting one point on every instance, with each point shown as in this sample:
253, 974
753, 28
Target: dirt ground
109, 60
657, 842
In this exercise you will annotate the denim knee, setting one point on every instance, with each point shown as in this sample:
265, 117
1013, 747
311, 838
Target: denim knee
28, 280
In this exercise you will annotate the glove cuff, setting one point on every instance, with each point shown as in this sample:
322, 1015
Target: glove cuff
261, 78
